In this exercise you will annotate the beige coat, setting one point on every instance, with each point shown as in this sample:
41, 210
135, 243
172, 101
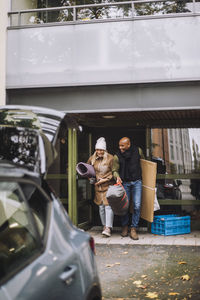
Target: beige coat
103, 168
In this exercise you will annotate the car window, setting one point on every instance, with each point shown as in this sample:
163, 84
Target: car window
19, 239
21, 147
38, 204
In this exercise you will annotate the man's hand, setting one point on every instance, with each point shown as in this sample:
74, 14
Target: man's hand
118, 180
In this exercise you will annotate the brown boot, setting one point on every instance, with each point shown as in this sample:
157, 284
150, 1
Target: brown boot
124, 232
133, 234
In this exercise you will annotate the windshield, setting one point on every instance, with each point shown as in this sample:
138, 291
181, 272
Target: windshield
20, 146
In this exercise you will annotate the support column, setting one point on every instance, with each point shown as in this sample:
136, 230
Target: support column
72, 186
148, 157
148, 143
4, 8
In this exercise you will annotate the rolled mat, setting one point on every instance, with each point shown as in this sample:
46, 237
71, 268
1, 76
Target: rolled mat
85, 170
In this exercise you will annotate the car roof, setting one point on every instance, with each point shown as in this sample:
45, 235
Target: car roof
26, 148
40, 118
18, 122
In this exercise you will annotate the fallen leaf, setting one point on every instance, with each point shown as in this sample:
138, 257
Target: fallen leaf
182, 263
173, 294
142, 286
125, 252
137, 282
152, 295
117, 263
109, 265
185, 277
144, 276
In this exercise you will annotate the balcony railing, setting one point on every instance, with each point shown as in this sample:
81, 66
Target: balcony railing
104, 12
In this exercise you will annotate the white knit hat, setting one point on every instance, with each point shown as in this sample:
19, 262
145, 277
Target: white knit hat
101, 144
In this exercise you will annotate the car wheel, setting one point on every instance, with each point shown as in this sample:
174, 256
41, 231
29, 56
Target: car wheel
95, 294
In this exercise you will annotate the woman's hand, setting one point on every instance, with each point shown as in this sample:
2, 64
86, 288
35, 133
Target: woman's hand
100, 181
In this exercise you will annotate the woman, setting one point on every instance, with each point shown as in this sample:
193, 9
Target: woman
102, 162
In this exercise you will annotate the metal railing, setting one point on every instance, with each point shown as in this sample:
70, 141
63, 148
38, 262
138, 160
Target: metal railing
103, 12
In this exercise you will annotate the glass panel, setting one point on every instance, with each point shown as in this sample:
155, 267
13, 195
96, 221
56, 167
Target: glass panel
176, 151
107, 12
84, 192
57, 173
38, 204
46, 17
97, 12
14, 19
21, 4
162, 7
83, 189
197, 6
18, 241
84, 213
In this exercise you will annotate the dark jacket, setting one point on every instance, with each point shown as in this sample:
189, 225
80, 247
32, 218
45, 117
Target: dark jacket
129, 164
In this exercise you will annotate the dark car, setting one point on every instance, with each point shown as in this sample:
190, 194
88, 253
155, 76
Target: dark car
42, 254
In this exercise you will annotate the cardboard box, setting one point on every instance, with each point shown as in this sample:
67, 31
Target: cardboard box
149, 171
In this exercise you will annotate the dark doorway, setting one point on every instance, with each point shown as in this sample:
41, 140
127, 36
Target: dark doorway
112, 136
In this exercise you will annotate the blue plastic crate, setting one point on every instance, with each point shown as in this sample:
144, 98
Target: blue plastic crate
170, 225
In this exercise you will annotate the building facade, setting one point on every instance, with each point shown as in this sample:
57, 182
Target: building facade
121, 69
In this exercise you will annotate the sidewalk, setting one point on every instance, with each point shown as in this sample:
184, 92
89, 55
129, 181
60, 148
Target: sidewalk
145, 238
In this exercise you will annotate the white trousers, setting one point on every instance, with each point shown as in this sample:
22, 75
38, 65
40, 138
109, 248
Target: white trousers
106, 215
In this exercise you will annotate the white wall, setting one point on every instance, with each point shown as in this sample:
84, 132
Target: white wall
4, 7
150, 50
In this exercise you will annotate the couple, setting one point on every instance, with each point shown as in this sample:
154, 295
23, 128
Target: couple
125, 168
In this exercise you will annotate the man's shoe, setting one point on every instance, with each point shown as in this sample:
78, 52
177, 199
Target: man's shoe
133, 234
124, 232
107, 232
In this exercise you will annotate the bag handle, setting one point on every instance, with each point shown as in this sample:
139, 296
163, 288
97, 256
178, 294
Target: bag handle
120, 184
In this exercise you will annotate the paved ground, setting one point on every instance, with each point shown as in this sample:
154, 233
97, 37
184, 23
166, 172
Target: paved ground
146, 238
149, 272
152, 267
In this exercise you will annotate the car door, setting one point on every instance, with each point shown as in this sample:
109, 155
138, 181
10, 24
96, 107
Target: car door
40, 262
3, 294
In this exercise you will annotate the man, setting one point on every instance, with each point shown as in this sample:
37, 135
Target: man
127, 170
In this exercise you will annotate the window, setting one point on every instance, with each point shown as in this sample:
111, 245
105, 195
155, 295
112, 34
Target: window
21, 226
177, 153
176, 135
172, 152
171, 135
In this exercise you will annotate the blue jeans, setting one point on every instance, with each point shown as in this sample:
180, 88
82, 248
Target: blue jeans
133, 188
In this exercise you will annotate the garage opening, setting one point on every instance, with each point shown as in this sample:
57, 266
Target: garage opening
169, 138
